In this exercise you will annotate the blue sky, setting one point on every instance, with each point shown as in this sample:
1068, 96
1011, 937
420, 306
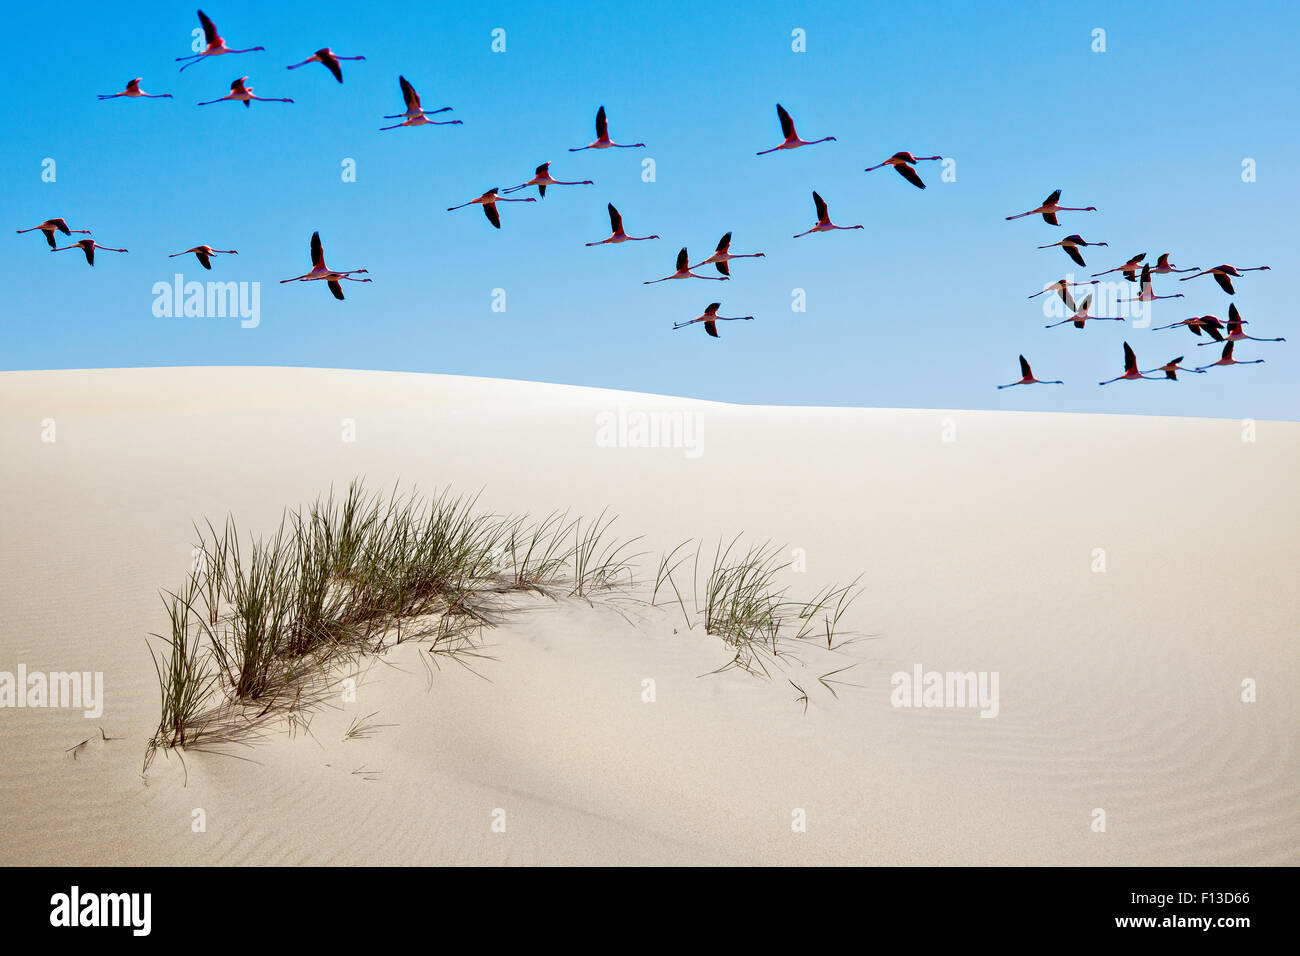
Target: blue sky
926, 307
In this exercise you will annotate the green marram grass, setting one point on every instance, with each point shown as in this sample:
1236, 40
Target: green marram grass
260, 622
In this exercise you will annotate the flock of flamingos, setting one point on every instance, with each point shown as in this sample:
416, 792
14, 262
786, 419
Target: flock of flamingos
904, 163
1211, 325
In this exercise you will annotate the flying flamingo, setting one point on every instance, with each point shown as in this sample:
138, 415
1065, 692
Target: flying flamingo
1062, 288
1131, 372
710, 318
1071, 245
1146, 293
1172, 368
133, 89
684, 271
618, 235
204, 254
1050, 207
792, 140
903, 163
1128, 269
1028, 377
1227, 359
1163, 266
489, 202
602, 140
244, 94
824, 223
415, 115
1210, 323
544, 179
51, 226
1081, 317
1224, 276
1235, 331
723, 255
216, 46
321, 271
88, 246
330, 59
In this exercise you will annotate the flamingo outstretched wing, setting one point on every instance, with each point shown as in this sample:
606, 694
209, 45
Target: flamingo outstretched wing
209, 30
787, 124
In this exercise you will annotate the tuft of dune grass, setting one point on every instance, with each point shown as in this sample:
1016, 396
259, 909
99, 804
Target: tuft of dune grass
744, 605
184, 673
261, 619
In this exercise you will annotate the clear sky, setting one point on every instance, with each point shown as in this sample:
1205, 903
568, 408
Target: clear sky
925, 307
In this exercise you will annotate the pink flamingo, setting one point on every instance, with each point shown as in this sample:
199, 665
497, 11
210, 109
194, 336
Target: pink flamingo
1081, 317
684, 271
792, 140
1050, 207
618, 235
416, 115
1071, 245
710, 318
602, 140
1235, 331
133, 90
1227, 359
244, 94
489, 202
542, 179
204, 254
51, 226
723, 255
1163, 266
88, 246
903, 163
320, 271
1131, 372
1210, 323
1172, 368
215, 45
1224, 276
329, 59
1128, 269
824, 223
1027, 377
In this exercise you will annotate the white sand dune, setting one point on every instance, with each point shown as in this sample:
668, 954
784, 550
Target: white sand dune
1119, 690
